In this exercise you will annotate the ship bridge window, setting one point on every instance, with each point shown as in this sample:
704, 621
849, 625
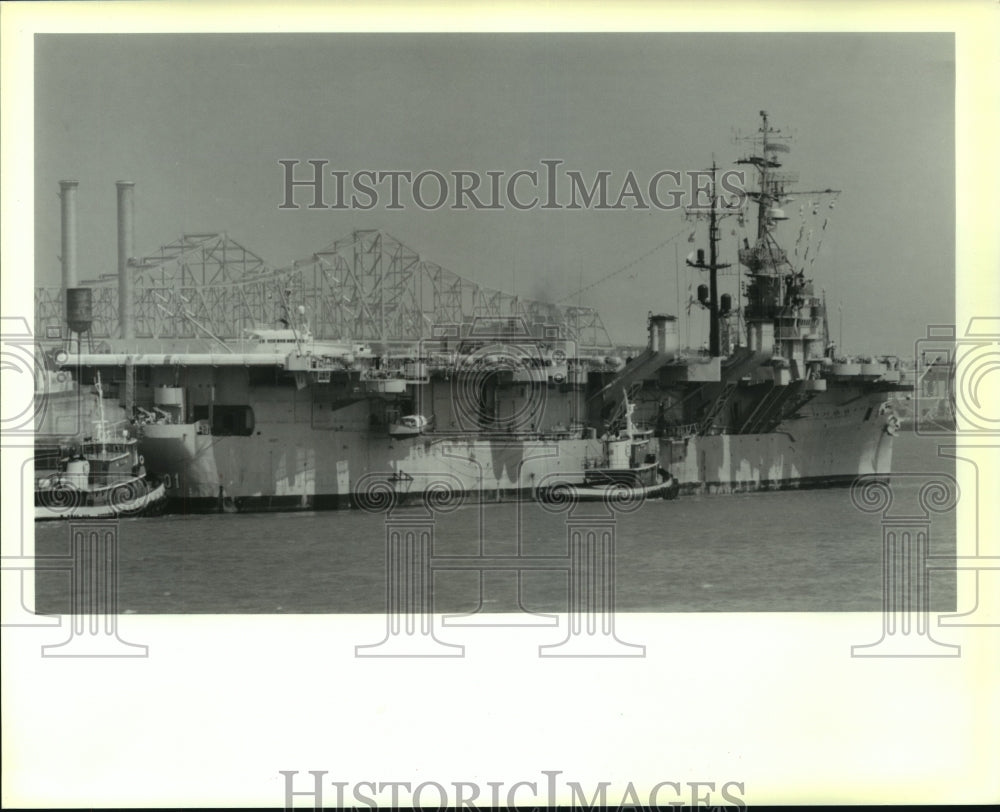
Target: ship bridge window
227, 420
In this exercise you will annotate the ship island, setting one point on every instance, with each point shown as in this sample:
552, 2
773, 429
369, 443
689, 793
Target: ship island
365, 369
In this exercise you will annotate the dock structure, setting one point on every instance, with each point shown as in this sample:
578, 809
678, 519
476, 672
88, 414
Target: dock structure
367, 286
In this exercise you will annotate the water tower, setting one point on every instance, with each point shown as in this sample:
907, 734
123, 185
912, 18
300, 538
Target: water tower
80, 317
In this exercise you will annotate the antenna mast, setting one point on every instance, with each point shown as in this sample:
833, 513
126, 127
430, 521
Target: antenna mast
713, 267
771, 183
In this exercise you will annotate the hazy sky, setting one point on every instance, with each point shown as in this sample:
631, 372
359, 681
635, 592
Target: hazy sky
199, 122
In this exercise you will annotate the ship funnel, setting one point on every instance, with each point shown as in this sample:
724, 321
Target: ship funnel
125, 253
67, 196
664, 336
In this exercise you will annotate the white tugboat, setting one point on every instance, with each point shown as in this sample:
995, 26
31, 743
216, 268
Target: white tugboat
104, 477
628, 468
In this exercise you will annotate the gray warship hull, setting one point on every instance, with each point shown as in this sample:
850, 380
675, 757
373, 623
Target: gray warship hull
296, 464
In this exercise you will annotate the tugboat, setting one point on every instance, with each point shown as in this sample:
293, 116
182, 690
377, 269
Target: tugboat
629, 468
103, 478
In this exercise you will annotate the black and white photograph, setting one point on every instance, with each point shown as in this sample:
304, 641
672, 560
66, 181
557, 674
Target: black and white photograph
373, 386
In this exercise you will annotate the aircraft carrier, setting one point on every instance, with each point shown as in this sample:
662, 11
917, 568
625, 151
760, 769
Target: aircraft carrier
365, 373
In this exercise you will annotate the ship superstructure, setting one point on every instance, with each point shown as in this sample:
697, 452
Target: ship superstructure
777, 407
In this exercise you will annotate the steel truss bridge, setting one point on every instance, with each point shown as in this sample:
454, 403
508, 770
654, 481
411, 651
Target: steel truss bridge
365, 287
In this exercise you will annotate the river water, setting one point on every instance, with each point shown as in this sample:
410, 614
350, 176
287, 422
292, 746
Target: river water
797, 551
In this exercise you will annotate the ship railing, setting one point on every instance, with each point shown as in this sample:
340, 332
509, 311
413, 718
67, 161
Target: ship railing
505, 434
384, 374
806, 331
93, 480
677, 432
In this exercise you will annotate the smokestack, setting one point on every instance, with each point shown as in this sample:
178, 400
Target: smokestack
67, 194
125, 252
